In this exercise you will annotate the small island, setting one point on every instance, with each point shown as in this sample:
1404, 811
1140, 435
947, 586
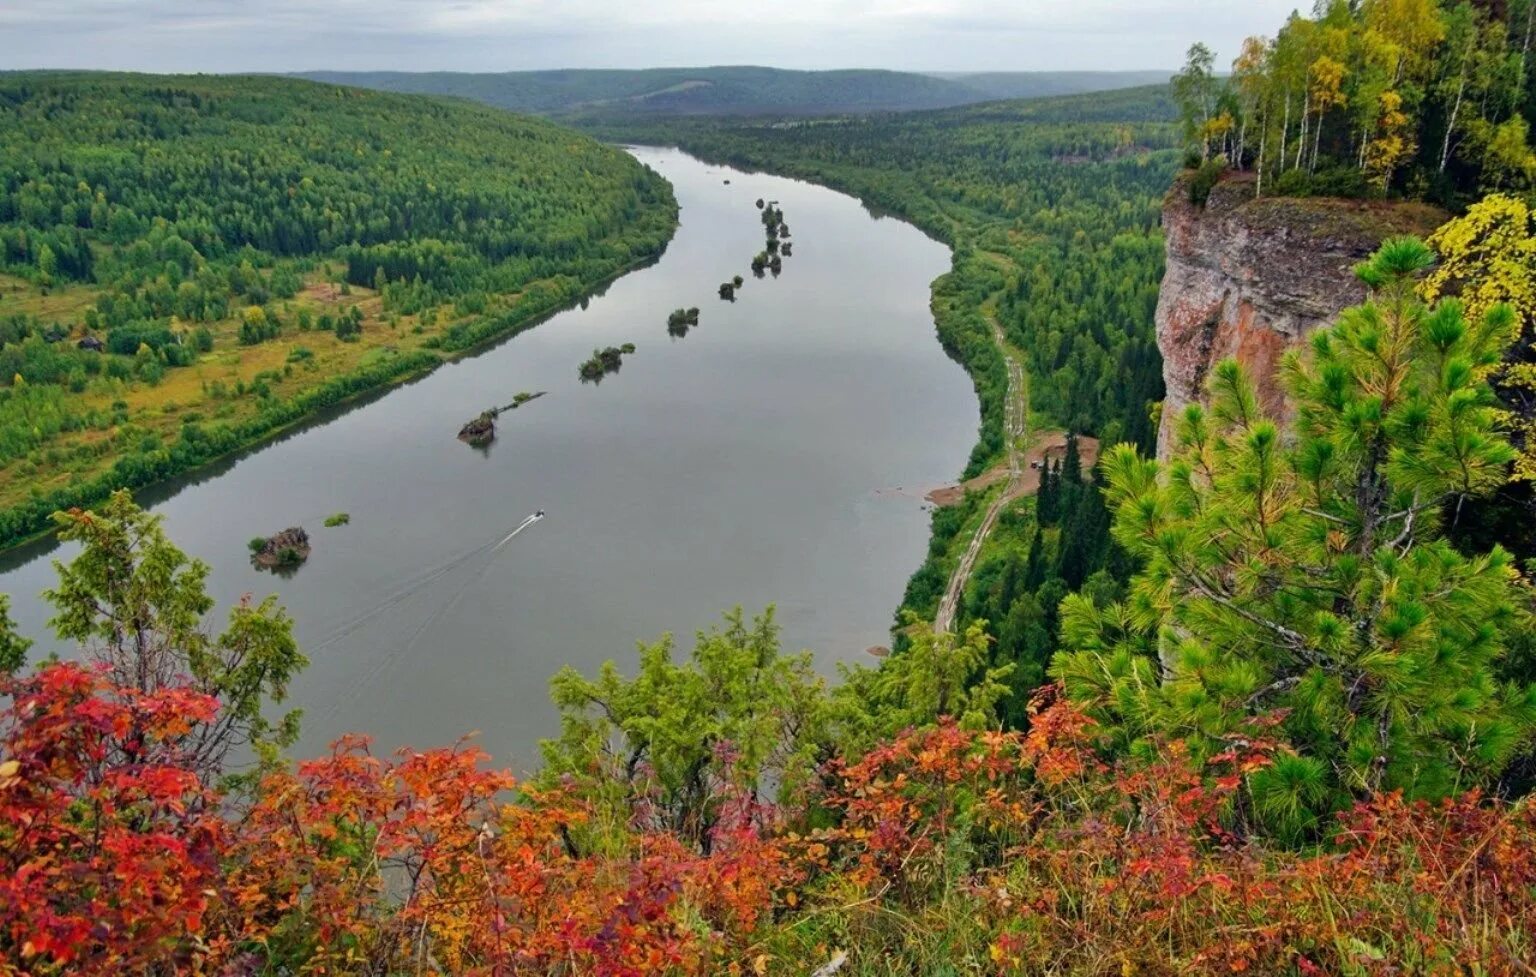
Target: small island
604, 362
775, 247
481, 431
681, 320
286, 549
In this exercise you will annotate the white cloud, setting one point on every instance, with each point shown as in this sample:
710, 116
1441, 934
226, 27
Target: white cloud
490, 35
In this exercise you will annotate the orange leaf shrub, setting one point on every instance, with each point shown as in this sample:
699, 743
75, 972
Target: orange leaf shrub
1014, 852
109, 847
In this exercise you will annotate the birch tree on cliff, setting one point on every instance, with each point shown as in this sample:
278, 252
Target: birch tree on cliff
1304, 581
1425, 98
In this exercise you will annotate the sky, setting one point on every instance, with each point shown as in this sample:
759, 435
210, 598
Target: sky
511, 35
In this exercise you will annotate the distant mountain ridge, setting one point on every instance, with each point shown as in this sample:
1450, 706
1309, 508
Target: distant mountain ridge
1039, 84
731, 90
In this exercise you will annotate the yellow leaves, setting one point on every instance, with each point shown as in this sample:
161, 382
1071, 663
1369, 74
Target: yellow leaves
1393, 143
1328, 83
1488, 257
1508, 160
760, 964
1407, 30
9, 773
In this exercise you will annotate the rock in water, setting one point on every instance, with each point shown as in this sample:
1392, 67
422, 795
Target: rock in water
480, 431
288, 548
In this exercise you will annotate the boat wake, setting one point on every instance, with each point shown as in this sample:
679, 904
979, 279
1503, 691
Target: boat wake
413, 587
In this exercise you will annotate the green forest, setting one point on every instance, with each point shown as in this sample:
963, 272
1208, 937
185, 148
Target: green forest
189, 264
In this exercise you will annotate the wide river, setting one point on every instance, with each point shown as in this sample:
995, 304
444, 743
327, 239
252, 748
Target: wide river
777, 454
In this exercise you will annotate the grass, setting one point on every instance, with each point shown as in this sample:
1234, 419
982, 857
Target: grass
207, 390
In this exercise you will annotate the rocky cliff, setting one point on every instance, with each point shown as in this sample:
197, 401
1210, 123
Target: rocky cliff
1251, 278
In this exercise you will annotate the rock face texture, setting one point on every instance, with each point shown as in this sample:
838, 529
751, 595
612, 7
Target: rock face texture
1251, 278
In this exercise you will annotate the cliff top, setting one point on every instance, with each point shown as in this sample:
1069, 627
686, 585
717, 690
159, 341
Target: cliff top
1366, 222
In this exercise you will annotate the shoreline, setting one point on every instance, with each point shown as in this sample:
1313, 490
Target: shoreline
405, 370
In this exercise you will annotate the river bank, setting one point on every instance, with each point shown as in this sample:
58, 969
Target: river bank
741, 464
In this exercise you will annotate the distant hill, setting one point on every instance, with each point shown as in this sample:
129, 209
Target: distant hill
728, 90
1037, 84
1148, 103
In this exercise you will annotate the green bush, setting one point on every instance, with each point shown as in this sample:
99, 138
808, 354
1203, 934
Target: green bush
1205, 180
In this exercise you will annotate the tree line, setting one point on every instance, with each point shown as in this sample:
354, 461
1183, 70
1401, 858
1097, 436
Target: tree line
1427, 98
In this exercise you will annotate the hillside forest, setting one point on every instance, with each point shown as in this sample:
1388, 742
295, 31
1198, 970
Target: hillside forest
188, 265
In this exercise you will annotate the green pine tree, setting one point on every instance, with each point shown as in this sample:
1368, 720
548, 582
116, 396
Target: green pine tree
1307, 579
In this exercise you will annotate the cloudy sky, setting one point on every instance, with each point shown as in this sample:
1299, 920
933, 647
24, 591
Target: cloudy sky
504, 35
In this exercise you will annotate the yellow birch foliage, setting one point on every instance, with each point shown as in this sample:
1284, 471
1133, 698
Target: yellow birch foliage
1488, 257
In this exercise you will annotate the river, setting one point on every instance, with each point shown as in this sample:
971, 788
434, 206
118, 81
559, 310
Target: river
776, 454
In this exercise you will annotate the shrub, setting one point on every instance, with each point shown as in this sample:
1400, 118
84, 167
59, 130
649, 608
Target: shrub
1204, 180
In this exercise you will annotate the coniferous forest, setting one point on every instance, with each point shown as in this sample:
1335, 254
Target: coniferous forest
1259, 705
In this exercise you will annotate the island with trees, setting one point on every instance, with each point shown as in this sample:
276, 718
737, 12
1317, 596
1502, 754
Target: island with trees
682, 320
603, 362
480, 430
285, 550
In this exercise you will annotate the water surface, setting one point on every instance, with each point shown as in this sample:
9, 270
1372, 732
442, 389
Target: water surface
777, 454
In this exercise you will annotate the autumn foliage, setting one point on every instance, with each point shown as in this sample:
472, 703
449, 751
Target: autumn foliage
1001, 852
110, 850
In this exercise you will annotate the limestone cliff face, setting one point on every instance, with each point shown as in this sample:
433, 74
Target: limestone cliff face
1251, 278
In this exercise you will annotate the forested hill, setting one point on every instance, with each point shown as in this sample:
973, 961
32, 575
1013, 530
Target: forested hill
730, 90
1040, 84
189, 263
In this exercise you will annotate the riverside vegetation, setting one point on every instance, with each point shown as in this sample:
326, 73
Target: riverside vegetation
190, 264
